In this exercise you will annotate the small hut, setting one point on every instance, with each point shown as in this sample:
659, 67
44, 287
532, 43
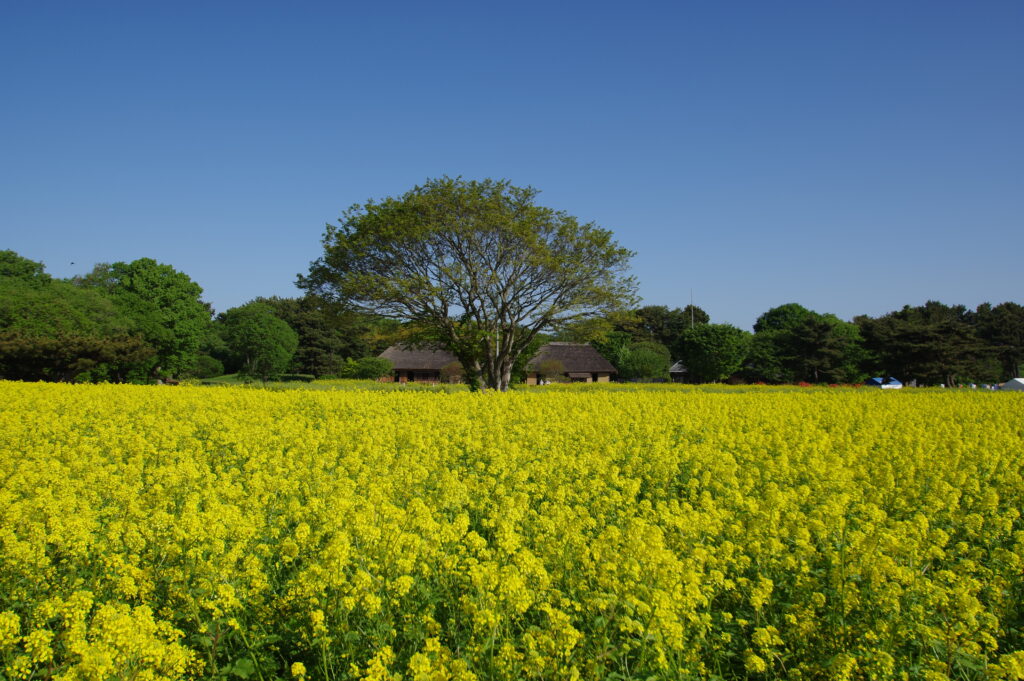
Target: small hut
422, 365
677, 372
575, 362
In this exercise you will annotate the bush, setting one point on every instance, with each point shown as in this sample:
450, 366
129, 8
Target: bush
366, 367
552, 371
645, 361
207, 367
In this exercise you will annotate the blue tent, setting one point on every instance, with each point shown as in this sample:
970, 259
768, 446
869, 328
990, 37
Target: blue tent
879, 382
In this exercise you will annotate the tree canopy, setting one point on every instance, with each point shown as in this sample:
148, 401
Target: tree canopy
933, 343
662, 325
14, 266
52, 330
1002, 328
713, 352
451, 263
645, 361
164, 306
792, 343
260, 344
478, 265
329, 334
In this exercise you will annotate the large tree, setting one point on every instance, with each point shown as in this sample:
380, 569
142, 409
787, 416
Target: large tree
792, 343
478, 266
932, 343
329, 334
662, 325
52, 330
260, 343
14, 266
164, 306
1002, 328
713, 352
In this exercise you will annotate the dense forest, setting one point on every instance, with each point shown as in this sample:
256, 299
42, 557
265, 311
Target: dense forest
145, 321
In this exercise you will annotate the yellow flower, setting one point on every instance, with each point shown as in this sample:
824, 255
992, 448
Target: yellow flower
559, 533
37, 645
754, 663
10, 624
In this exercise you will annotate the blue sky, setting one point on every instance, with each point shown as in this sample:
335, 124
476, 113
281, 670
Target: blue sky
852, 157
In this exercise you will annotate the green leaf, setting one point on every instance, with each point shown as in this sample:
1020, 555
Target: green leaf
243, 668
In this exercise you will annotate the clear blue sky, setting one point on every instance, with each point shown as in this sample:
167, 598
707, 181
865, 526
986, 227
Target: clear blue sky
852, 157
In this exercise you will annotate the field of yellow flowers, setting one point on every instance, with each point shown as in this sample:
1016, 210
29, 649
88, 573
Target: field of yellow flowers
238, 533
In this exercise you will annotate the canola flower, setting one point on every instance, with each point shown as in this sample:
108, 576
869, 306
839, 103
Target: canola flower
176, 533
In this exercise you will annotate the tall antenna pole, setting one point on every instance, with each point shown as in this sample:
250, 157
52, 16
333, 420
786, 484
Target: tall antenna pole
691, 308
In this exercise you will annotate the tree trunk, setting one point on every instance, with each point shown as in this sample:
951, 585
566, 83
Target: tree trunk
505, 360
470, 372
499, 370
506, 378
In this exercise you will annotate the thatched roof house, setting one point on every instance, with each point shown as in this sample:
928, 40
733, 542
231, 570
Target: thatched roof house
422, 365
577, 362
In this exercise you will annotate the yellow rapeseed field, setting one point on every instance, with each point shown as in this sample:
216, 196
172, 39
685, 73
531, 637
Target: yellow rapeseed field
603, 533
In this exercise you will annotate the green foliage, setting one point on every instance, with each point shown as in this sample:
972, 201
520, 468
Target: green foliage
782, 318
764, 361
833, 350
519, 368
69, 357
614, 347
660, 324
713, 352
1002, 329
932, 343
329, 333
260, 344
479, 263
207, 367
693, 315
366, 368
591, 330
163, 306
56, 307
54, 331
14, 266
646, 361
794, 344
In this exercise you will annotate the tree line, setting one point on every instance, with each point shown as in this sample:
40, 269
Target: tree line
479, 269
145, 321
930, 344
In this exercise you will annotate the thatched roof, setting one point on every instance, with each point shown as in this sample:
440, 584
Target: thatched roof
417, 359
574, 357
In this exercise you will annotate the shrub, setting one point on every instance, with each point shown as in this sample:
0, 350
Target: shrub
207, 367
366, 367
